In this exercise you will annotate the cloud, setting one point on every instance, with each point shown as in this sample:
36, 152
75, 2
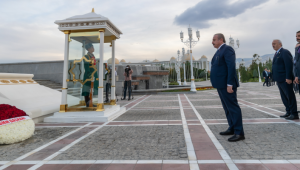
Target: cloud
207, 10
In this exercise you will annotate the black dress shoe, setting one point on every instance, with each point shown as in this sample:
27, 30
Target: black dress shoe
227, 132
292, 117
286, 115
236, 138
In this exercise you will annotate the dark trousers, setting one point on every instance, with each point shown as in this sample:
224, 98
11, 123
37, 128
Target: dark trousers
232, 110
288, 97
108, 86
127, 84
266, 81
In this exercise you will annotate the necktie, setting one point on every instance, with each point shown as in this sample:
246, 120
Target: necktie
274, 57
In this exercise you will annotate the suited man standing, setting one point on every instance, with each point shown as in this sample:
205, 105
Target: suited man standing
266, 77
223, 77
282, 69
270, 78
297, 59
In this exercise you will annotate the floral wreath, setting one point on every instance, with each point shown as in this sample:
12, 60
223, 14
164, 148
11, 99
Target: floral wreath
15, 125
8, 112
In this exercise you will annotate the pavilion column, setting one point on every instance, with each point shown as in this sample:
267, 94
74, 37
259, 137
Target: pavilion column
100, 105
113, 77
184, 74
64, 90
82, 101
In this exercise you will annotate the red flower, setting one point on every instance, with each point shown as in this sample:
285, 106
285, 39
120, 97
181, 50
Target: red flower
8, 112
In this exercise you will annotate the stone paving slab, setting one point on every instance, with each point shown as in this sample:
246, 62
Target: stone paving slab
208, 102
264, 101
219, 113
158, 104
160, 97
263, 142
41, 137
164, 114
130, 143
208, 96
282, 109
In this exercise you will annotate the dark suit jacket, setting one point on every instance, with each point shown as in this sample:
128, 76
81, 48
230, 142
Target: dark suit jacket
265, 74
270, 75
223, 68
282, 67
297, 63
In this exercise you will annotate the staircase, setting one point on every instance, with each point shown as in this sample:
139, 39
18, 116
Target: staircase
50, 84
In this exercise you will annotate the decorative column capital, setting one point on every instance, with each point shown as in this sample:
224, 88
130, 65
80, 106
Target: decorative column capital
67, 32
102, 30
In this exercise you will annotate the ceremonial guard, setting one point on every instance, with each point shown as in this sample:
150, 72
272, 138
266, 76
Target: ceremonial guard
90, 88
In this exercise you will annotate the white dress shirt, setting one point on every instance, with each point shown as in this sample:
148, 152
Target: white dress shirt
221, 46
278, 50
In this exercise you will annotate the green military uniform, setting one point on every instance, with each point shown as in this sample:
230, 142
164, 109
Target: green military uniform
87, 75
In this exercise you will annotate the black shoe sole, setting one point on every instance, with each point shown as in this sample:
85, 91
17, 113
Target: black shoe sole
226, 134
292, 119
236, 140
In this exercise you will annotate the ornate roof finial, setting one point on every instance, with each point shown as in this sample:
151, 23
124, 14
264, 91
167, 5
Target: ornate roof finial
93, 10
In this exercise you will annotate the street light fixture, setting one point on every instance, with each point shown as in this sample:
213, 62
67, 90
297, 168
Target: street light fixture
231, 43
190, 43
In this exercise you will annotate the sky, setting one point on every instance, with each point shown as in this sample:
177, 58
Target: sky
150, 27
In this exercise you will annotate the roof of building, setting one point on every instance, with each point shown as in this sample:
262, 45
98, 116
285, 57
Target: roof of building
188, 58
116, 61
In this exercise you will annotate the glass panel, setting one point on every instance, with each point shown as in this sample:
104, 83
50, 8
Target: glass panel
83, 71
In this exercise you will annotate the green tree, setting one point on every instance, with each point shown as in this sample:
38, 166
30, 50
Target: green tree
255, 75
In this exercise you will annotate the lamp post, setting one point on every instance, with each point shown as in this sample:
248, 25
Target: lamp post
243, 64
183, 60
237, 65
178, 63
206, 69
257, 62
190, 43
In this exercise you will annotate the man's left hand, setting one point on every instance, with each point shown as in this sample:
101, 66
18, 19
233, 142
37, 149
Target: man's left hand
229, 89
296, 80
288, 81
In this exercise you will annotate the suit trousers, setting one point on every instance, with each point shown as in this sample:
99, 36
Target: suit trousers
232, 110
107, 91
288, 97
266, 81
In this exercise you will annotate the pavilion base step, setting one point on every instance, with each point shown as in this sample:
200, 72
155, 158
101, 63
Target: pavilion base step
110, 113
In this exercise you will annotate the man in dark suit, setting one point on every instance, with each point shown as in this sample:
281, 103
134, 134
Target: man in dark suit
270, 78
297, 59
282, 69
223, 77
266, 77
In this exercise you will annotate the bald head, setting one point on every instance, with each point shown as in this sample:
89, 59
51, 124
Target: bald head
277, 44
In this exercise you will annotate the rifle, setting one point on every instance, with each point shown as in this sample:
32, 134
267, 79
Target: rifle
91, 93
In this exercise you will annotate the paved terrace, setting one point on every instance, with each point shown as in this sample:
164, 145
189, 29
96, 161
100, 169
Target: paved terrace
167, 132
